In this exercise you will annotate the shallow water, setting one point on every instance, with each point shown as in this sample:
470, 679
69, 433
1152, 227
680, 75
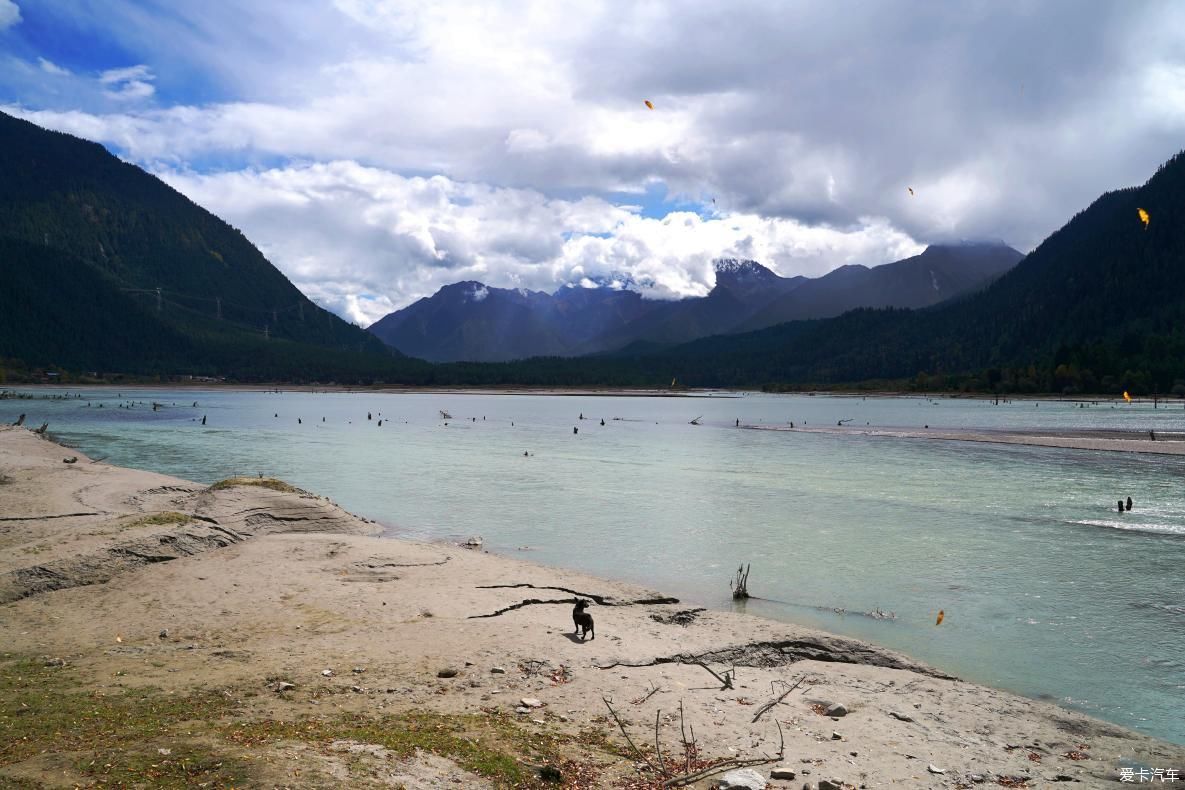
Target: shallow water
1047, 590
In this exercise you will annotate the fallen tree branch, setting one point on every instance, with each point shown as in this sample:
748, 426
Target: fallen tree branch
520, 605
601, 600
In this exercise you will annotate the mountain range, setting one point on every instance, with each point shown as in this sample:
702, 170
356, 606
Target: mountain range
1099, 306
105, 268
470, 321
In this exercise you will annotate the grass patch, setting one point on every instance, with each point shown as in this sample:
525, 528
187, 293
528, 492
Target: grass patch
259, 482
491, 745
112, 738
158, 520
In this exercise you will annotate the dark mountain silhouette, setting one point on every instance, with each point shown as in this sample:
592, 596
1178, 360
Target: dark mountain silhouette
212, 297
939, 273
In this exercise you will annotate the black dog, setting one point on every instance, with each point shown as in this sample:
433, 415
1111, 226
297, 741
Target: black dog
583, 621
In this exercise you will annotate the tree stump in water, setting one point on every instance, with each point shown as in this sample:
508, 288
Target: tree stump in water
740, 585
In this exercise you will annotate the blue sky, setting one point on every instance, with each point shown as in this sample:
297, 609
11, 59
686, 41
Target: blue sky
376, 150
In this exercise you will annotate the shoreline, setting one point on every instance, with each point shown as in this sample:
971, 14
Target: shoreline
143, 584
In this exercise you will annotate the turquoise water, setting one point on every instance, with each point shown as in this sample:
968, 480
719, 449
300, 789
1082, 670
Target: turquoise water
1047, 591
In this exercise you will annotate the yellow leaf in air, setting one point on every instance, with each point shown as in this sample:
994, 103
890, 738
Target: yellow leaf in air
647, 103
941, 614
1143, 217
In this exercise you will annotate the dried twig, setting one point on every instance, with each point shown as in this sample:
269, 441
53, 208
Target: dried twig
688, 746
629, 740
767, 706
728, 765
649, 694
657, 747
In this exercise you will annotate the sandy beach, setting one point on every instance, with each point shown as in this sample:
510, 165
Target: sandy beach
158, 632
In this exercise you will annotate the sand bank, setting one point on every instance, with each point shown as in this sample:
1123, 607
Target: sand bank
1111, 441
258, 635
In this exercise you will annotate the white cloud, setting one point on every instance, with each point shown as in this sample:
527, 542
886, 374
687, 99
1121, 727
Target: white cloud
340, 229
803, 125
132, 82
49, 67
10, 14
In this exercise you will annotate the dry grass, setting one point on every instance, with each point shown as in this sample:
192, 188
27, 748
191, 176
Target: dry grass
259, 482
158, 520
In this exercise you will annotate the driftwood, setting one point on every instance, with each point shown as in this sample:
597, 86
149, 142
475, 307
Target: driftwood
696, 420
19, 421
740, 585
444, 415
41, 431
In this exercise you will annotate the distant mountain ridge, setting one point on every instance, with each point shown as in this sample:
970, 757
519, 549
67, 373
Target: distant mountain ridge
471, 321
1098, 306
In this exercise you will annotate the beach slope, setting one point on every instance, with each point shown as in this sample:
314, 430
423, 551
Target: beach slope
160, 632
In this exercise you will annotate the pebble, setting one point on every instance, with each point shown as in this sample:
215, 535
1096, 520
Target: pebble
932, 768
358, 670
782, 772
448, 672
741, 779
900, 716
836, 709
831, 784
497, 670
327, 673
521, 709
835, 736
530, 702
281, 686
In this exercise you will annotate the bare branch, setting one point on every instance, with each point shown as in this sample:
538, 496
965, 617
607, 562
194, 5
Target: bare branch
657, 748
767, 706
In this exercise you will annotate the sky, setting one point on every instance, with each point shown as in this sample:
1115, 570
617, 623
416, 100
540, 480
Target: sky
376, 150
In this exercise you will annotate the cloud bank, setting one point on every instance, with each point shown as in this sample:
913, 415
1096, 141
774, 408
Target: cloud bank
377, 150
